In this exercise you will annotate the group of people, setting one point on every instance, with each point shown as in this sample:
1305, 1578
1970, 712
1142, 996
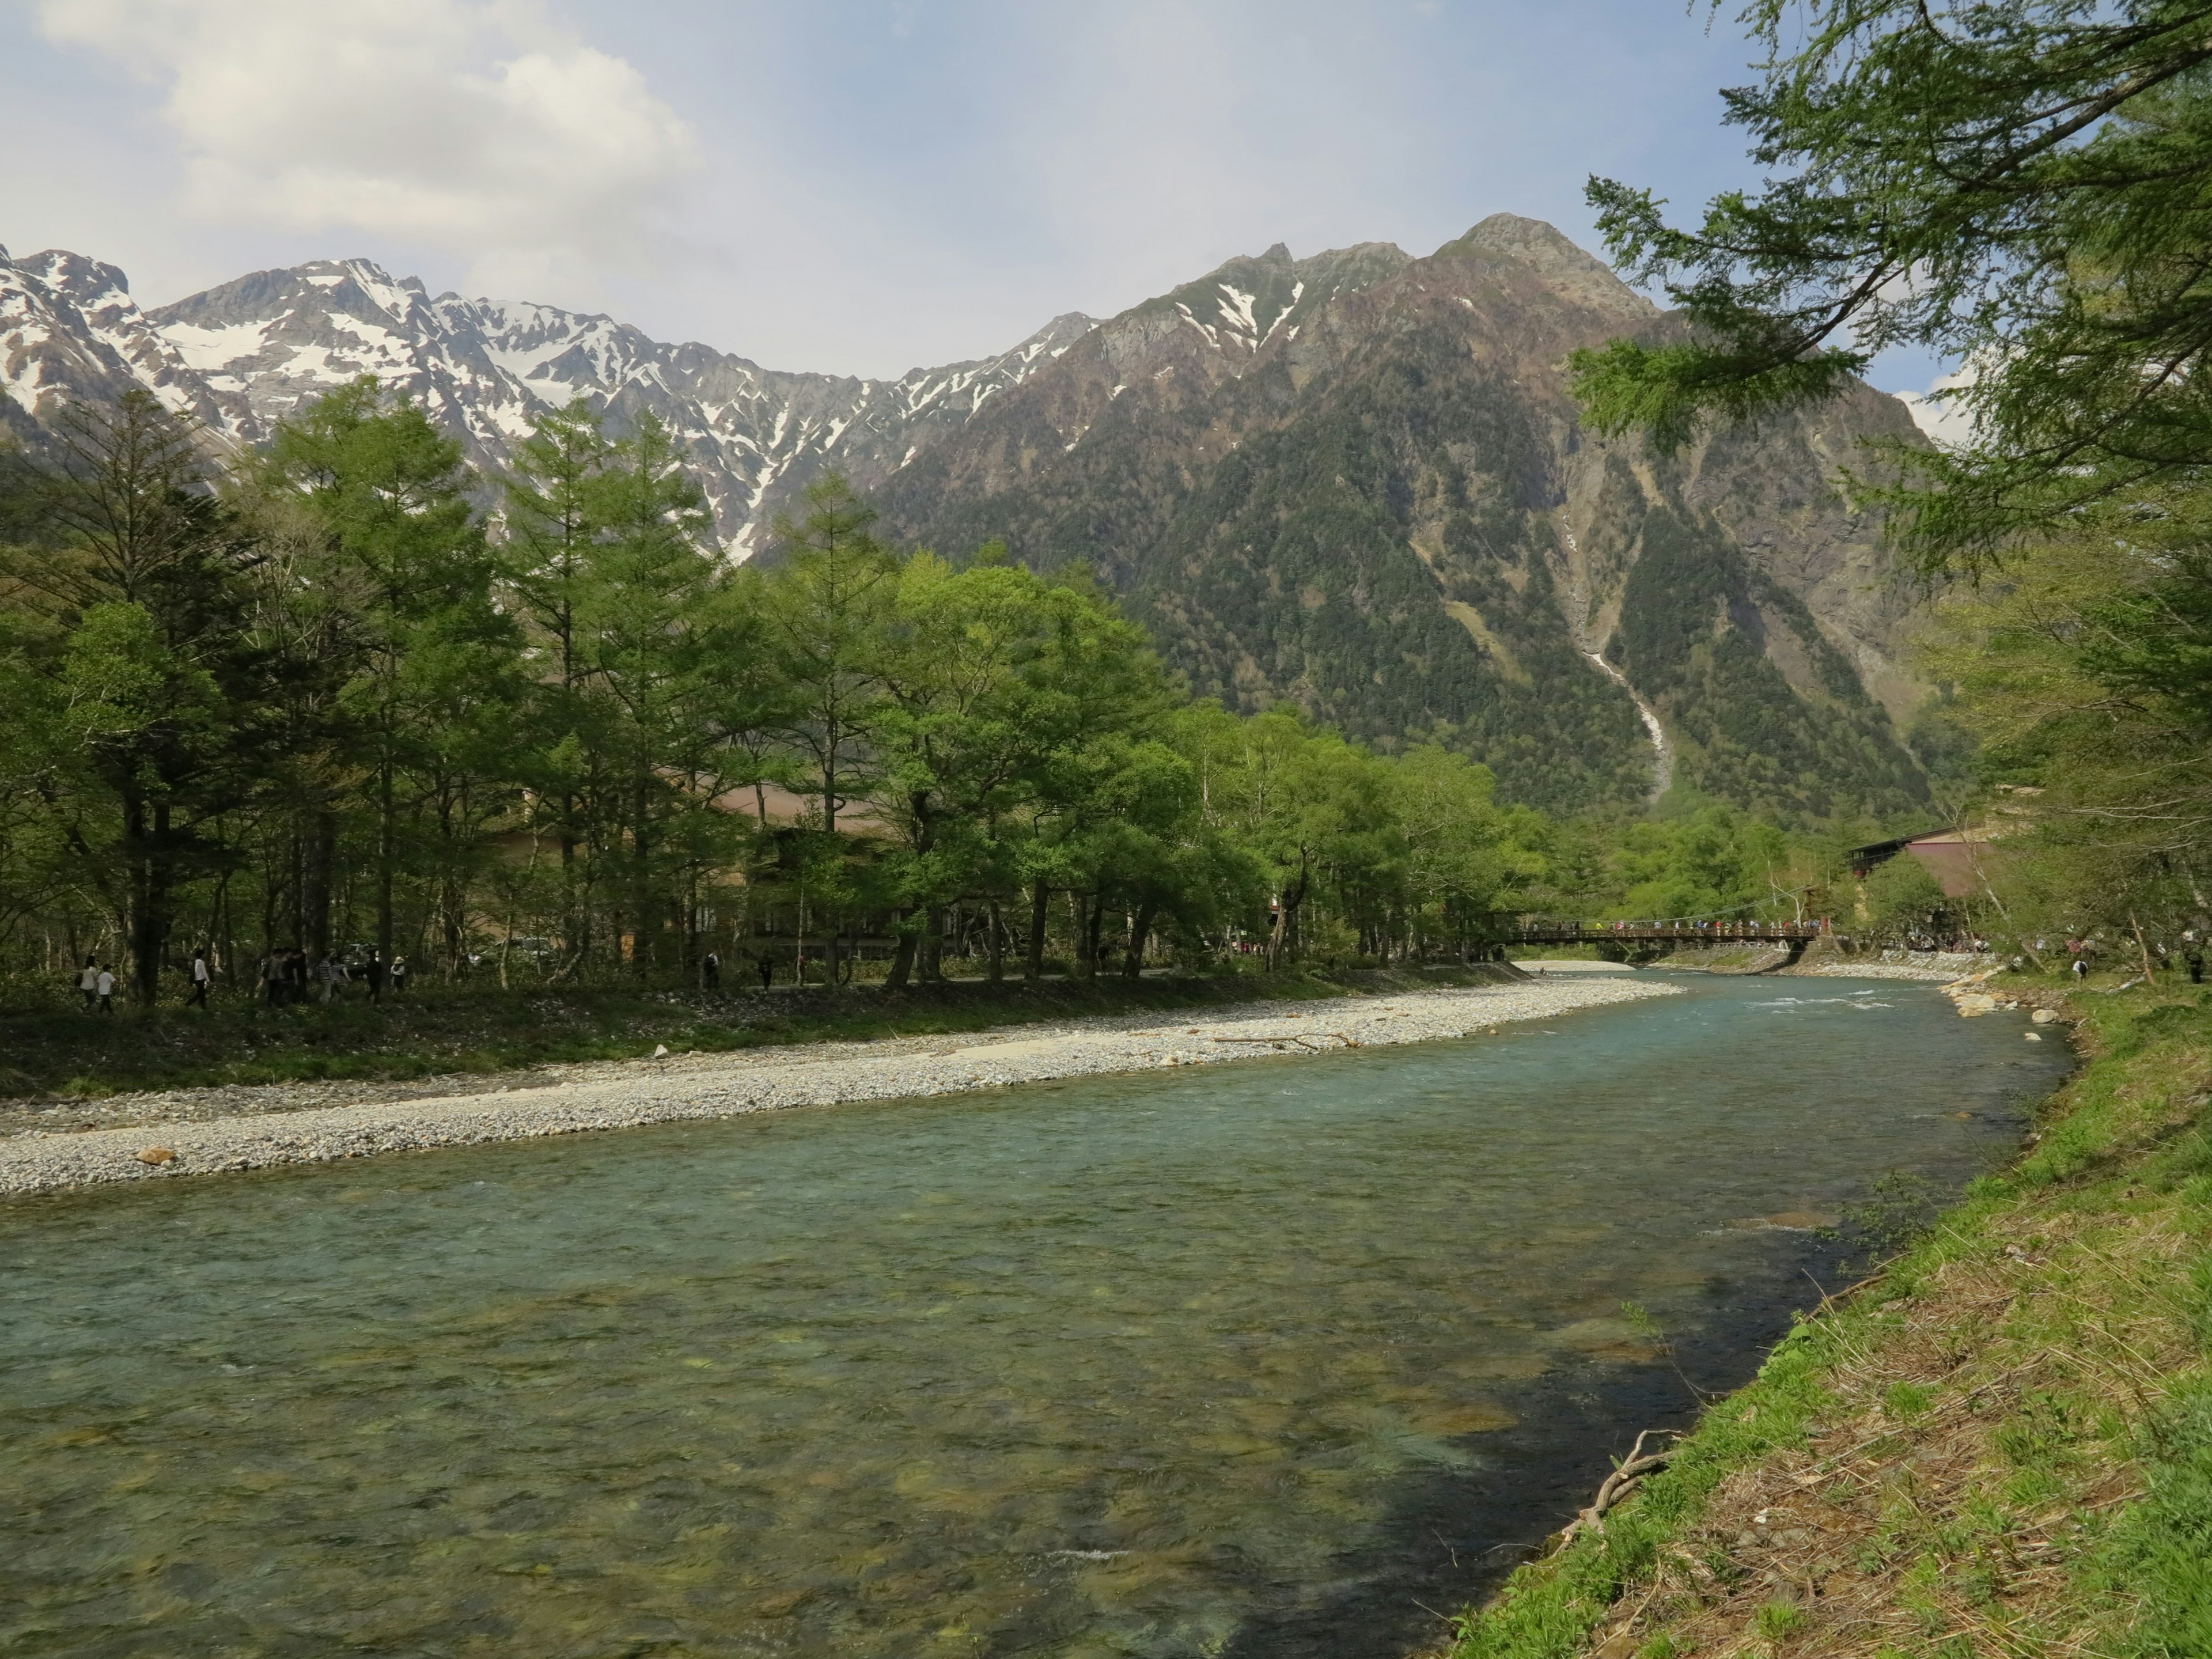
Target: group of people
288, 976
2084, 951
95, 982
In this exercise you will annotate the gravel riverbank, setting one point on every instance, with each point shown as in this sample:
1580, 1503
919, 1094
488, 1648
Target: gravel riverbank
1933, 967
196, 1131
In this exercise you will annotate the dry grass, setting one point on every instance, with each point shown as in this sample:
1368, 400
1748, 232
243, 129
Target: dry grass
1945, 1504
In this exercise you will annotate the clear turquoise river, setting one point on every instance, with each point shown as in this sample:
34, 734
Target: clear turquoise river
1279, 1358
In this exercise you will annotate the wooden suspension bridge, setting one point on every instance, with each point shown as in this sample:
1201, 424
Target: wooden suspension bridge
1644, 938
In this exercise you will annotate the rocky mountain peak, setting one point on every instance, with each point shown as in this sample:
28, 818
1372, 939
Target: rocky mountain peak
270, 342
1564, 268
1357, 482
71, 331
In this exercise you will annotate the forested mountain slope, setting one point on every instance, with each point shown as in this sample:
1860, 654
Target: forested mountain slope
1355, 481
1359, 481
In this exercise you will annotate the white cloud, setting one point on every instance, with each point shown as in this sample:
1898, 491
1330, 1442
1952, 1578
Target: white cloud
1946, 419
475, 126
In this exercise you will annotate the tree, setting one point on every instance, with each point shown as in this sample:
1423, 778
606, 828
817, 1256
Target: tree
1467, 861
400, 538
1713, 863
2018, 185
823, 612
2080, 674
959, 738
554, 505
138, 573
658, 633
1902, 900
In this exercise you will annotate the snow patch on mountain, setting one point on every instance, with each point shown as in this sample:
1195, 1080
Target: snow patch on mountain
244, 355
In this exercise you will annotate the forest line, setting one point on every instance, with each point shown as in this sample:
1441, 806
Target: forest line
321, 703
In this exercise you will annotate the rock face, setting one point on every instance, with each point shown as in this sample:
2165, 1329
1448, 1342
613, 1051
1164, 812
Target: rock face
243, 355
70, 330
1358, 482
1355, 482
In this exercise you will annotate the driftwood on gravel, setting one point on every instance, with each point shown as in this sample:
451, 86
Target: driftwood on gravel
1302, 1039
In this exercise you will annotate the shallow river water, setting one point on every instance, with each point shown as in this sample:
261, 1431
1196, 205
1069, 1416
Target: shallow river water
1283, 1358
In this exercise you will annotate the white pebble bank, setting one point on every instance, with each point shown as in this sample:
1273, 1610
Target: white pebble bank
724, 1086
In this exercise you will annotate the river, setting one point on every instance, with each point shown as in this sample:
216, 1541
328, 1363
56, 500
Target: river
1280, 1358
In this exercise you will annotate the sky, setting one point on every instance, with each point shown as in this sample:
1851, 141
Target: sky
853, 186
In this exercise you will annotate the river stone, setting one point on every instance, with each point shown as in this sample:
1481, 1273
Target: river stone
1976, 1002
2043, 1017
1801, 1220
158, 1155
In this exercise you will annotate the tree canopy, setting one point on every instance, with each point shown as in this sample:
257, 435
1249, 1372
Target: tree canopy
2015, 185
345, 699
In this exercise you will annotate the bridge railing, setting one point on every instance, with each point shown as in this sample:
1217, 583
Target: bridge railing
1599, 932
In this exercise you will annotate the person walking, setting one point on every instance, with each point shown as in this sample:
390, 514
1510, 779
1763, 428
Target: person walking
398, 975
713, 969
333, 974
2081, 968
767, 970
202, 976
105, 986
273, 979
375, 974
87, 982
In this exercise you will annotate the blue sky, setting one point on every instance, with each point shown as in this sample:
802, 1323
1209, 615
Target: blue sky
852, 186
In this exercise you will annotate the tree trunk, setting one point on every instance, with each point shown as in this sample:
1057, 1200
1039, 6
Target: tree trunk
932, 944
145, 920
1133, 967
1286, 910
901, 966
322, 852
387, 857
1033, 968
1091, 931
644, 922
996, 944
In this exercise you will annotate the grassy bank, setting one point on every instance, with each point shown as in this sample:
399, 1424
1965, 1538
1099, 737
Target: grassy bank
472, 1029
2002, 1447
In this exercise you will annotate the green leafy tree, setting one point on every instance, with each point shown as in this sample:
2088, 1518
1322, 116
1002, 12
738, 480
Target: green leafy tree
1904, 901
659, 629
2018, 187
823, 611
402, 540
554, 506
136, 573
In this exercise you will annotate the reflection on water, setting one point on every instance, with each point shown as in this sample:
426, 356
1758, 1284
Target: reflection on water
1246, 1360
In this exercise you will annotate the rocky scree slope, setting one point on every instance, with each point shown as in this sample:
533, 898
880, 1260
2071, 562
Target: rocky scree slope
243, 355
1358, 482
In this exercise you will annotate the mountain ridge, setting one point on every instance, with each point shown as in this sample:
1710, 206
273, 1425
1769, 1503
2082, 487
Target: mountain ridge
1394, 519
1356, 482
240, 356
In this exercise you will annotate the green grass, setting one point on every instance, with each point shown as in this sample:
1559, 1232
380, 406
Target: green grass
2028, 1404
441, 1030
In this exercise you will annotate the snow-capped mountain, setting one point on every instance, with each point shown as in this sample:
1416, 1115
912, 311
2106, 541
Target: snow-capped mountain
243, 355
69, 330
1358, 482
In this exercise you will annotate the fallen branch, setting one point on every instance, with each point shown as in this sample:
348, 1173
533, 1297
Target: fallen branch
1625, 1479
